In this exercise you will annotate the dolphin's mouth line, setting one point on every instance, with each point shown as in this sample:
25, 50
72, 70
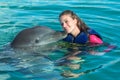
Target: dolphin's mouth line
37, 46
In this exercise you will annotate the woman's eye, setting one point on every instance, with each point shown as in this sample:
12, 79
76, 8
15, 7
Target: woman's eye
66, 21
62, 24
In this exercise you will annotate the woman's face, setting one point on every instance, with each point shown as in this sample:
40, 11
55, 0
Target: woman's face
68, 23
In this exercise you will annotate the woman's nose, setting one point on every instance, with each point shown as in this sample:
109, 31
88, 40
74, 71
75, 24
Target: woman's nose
64, 25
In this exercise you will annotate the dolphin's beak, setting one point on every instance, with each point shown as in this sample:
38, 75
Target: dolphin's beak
59, 35
64, 34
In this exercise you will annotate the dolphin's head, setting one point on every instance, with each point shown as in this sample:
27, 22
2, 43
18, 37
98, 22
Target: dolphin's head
37, 36
52, 37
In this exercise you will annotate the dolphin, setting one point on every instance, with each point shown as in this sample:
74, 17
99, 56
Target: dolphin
27, 54
37, 39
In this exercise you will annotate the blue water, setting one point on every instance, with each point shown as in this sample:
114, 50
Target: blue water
102, 15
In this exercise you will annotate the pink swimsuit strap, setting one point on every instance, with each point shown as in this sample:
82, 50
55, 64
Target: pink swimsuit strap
95, 39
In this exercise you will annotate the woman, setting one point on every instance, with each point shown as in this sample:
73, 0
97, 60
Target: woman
78, 31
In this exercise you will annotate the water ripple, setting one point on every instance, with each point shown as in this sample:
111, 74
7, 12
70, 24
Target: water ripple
102, 15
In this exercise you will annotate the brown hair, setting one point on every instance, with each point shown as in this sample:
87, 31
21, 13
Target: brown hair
81, 25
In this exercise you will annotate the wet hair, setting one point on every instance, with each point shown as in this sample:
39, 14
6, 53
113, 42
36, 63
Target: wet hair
81, 25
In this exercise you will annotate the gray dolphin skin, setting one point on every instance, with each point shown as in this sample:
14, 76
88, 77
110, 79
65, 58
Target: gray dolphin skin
30, 50
37, 38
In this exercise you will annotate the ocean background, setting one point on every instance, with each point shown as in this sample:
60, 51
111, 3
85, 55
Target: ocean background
101, 15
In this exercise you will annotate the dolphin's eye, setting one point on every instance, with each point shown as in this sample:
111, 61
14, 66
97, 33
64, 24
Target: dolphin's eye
37, 40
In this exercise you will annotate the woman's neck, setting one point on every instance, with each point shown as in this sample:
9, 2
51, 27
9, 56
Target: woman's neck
75, 32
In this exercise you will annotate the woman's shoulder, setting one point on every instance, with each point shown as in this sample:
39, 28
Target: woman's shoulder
94, 32
91, 31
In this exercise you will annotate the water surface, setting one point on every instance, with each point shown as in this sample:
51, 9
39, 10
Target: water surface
102, 15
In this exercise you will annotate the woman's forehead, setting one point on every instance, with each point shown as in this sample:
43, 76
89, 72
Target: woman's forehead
65, 17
